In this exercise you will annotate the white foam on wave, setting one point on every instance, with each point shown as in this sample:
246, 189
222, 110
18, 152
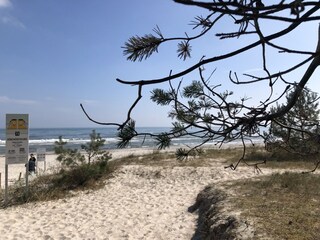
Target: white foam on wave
53, 140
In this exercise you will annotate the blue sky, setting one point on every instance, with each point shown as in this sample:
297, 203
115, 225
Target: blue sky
56, 54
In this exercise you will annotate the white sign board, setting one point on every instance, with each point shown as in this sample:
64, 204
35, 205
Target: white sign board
17, 138
41, 154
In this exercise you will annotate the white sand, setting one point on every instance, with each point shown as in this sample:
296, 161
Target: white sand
18, 170
140, 202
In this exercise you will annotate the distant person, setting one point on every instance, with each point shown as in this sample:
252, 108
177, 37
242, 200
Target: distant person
32, 164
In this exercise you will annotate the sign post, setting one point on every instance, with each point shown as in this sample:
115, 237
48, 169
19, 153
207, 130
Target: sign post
17, 144
41, 157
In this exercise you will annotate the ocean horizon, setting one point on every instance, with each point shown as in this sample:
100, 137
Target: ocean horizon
75, 137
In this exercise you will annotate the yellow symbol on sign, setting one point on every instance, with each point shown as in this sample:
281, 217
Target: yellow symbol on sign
13, 124
22, 124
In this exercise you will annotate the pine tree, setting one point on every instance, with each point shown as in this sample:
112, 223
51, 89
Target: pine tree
298, 129
93, 148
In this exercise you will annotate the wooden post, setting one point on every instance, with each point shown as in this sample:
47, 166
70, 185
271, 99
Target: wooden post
27, 179
6, 186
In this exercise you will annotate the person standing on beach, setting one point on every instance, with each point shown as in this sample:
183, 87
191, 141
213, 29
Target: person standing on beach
32, 164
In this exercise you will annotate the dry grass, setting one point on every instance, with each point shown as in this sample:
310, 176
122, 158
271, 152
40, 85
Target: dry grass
61, 184
209, 157
283, 206
278, 160
168, 158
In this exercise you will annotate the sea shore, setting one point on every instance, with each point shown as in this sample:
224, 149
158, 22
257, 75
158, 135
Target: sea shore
139, 202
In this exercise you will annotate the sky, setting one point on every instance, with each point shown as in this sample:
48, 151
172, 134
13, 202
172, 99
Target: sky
56, 54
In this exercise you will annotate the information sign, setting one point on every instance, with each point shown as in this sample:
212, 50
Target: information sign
17, 138
41, 154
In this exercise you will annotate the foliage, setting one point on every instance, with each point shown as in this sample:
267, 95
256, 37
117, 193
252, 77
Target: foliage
214, 112
81, 176
163, 141
79, 169
298, 129
139, 48
127, 133
67, 157
72, 157
93, 148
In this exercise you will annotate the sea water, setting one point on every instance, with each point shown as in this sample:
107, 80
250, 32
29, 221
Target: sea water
75, 137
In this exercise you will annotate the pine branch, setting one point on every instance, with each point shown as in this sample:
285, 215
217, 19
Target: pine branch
139, 48
126, 134
184, 50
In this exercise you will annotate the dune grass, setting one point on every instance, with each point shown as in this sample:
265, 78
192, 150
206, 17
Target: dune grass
61, 183
283, 206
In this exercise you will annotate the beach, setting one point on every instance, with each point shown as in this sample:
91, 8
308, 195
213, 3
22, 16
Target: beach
138, 202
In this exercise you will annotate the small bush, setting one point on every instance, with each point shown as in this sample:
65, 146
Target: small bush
77, 169
68, 157
81, 176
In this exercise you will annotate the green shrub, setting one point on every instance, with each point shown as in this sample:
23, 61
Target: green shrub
70, 158
93, 148
77, 169
81, 176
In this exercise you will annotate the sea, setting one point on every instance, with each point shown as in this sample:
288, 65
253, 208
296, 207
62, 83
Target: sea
45, 138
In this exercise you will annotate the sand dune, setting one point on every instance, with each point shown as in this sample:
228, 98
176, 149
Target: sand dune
139, 202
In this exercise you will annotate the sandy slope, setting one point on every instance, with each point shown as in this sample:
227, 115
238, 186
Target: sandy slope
139, 202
